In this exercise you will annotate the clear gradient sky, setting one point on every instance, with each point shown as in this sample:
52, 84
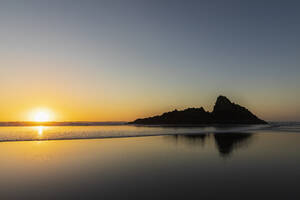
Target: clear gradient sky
117, 60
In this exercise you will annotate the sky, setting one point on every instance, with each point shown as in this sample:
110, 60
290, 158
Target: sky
118, 60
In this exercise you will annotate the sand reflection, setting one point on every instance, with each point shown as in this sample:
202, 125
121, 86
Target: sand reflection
226, 143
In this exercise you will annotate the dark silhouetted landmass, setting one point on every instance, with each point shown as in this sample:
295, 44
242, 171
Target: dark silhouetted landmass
224, 112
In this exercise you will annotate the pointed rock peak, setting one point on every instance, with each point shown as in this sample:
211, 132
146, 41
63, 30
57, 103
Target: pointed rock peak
222, 103
223, 100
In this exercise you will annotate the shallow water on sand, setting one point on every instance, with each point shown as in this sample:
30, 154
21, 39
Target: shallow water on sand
28, 133
257, 164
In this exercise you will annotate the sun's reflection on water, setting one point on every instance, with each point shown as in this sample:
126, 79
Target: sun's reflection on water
40, 130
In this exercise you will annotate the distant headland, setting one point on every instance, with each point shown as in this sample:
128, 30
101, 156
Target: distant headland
224, 112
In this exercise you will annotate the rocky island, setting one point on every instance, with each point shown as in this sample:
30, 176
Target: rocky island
224, 112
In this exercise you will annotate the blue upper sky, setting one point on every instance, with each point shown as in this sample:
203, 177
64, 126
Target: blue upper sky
150, 56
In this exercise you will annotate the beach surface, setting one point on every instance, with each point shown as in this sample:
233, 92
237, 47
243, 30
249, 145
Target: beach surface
256, 164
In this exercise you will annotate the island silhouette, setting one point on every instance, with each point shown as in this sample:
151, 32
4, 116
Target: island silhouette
224, 112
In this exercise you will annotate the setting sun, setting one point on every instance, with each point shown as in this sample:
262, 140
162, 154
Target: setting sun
41, 115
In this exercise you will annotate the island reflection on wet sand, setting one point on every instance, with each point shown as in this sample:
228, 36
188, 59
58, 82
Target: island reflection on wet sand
226, 143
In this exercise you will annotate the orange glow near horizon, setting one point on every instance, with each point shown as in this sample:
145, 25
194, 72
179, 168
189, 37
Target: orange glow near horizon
46, 107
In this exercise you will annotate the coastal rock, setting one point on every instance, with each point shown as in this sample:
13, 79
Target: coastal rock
224, 112
187, 116
230, 113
